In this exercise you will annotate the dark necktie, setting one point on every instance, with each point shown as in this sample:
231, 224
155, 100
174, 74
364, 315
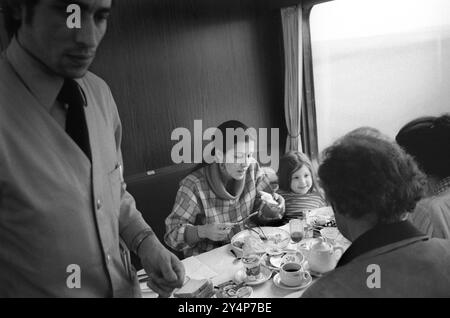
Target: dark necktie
72, 94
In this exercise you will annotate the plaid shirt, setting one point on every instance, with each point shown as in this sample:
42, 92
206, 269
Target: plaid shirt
197, 204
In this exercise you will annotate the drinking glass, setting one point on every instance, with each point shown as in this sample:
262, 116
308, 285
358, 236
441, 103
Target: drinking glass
296, 229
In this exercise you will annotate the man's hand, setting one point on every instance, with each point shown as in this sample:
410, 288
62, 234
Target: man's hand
164, 269
215, 232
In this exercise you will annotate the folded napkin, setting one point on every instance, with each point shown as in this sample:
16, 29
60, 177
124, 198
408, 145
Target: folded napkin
197, 270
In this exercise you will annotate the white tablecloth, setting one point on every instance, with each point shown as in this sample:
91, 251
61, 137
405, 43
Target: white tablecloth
220, 266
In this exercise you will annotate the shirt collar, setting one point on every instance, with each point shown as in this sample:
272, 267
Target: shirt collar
44, 85
381, 235
214, 178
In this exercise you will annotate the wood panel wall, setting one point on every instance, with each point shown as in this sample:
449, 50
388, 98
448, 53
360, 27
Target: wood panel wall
168, 64
3, 35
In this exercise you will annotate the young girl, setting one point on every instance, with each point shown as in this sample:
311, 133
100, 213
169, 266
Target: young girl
298, 185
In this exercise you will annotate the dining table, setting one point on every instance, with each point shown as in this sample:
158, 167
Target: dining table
221, 265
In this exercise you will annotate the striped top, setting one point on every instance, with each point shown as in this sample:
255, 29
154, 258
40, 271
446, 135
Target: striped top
296, 203
432, 215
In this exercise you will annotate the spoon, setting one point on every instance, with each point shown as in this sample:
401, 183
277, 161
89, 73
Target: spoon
237, 259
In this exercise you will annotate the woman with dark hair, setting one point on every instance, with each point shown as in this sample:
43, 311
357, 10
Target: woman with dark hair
427, 139
371, 184
212, 201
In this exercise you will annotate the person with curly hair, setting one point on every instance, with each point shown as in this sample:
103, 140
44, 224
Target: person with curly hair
372, 184
427, 139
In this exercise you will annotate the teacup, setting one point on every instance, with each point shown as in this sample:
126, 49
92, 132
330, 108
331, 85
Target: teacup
252, 266
293, 274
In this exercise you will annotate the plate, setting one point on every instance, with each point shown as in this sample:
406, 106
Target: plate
231, 289
266, 262
241, 276
278, 283
320, 216
287, 257
277, 238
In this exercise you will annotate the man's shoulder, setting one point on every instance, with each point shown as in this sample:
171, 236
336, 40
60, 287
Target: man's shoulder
441, 246
332, 285
8, 77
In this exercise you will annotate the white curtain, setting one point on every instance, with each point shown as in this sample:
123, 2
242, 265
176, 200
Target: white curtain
293, 55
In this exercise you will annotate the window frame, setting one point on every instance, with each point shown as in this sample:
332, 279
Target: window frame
309, 117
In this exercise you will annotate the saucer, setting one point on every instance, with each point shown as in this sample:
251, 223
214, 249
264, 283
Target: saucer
241, 276
287, 257
266, 261
316, 274
232, 290
278, 283
312, 272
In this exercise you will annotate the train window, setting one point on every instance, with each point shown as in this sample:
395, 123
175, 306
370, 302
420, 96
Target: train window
379, 63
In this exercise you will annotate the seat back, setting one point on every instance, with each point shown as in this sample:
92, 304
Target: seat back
155, 194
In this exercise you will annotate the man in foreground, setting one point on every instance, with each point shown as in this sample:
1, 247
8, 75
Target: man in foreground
66, 220
372, 184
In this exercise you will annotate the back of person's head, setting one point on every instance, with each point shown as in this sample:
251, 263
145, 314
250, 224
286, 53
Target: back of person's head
366, 176
427, 139
289, 164
368, 131
11, 10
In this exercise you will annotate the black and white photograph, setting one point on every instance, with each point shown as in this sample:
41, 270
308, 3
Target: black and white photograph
226, 154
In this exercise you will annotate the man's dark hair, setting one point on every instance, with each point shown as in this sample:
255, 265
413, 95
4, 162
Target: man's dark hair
427, 139
9, 7
366, 175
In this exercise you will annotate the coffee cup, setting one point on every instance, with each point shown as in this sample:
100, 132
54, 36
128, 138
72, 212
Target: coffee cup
293, 274
252, 266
